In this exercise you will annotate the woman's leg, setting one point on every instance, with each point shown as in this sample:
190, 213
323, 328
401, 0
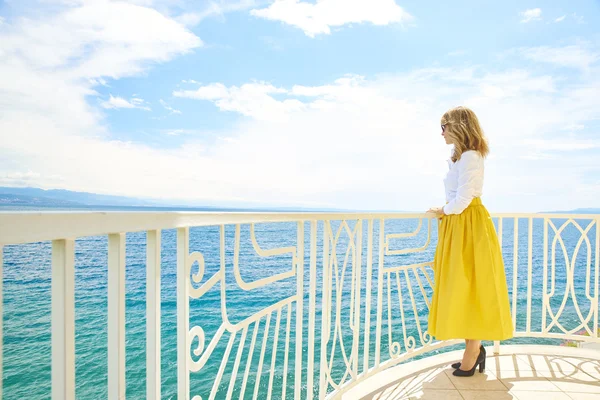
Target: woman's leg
471, 354
457, 364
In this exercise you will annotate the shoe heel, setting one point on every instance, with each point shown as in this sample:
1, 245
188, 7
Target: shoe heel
482, 366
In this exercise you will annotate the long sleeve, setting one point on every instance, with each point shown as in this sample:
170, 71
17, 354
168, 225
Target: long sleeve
470, 181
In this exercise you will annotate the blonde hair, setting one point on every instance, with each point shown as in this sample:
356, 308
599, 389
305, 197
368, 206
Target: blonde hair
462, 127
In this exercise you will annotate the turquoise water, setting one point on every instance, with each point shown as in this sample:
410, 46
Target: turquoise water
27, 304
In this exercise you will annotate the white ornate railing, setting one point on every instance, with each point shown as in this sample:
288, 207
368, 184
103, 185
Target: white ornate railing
303, 306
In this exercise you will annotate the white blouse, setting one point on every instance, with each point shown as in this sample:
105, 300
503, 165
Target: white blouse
463, 182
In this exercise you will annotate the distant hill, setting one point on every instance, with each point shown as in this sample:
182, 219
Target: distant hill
35, 198
57, 198
47, 198
8, 199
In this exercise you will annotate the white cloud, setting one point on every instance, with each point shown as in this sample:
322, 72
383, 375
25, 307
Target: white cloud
214, 9
119, 102
192, 19
178, 132
211, 92
513, 83
560, 19
562, 145
534, 14
169, 108
318, 18
581, 56
99, 39
98, 82
263, 101
49, 65
251, 99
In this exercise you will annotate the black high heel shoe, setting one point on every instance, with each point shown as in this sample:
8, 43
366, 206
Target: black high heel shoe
480, 362
457, 364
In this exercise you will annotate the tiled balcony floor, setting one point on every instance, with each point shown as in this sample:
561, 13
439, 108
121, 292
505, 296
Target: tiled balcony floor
519, 372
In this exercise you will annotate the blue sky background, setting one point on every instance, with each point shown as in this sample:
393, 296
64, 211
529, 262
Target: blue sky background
328, 103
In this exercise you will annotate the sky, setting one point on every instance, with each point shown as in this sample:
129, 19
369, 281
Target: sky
327, 103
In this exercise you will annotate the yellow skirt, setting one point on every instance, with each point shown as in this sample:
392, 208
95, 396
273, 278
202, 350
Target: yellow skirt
470, 296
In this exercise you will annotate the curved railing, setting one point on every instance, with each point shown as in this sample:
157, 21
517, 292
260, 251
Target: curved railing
305, 305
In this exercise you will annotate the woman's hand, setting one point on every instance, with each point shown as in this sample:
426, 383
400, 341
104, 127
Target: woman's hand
438, 211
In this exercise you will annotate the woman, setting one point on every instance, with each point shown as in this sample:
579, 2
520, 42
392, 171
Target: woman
470, 296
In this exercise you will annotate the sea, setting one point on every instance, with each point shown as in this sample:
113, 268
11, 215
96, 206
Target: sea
27, 301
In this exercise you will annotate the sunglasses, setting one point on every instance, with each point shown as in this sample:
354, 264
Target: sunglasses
443, 128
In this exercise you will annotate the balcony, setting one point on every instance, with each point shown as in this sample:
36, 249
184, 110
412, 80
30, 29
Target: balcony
303, 306
520, 372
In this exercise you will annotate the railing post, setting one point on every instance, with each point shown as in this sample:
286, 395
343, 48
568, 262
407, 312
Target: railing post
299, 309
379, 292
596, 278
116, 316
325, 310
515, 270
183, 320
500, 234
529, 271
368, 290
153, 315
545, 299
312, 294
357, 295
63, 319
1, 316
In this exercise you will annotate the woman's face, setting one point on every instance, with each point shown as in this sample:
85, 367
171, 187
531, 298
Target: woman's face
445, 135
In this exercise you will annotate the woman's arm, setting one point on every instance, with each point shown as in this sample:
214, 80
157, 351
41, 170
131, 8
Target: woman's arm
470, 174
